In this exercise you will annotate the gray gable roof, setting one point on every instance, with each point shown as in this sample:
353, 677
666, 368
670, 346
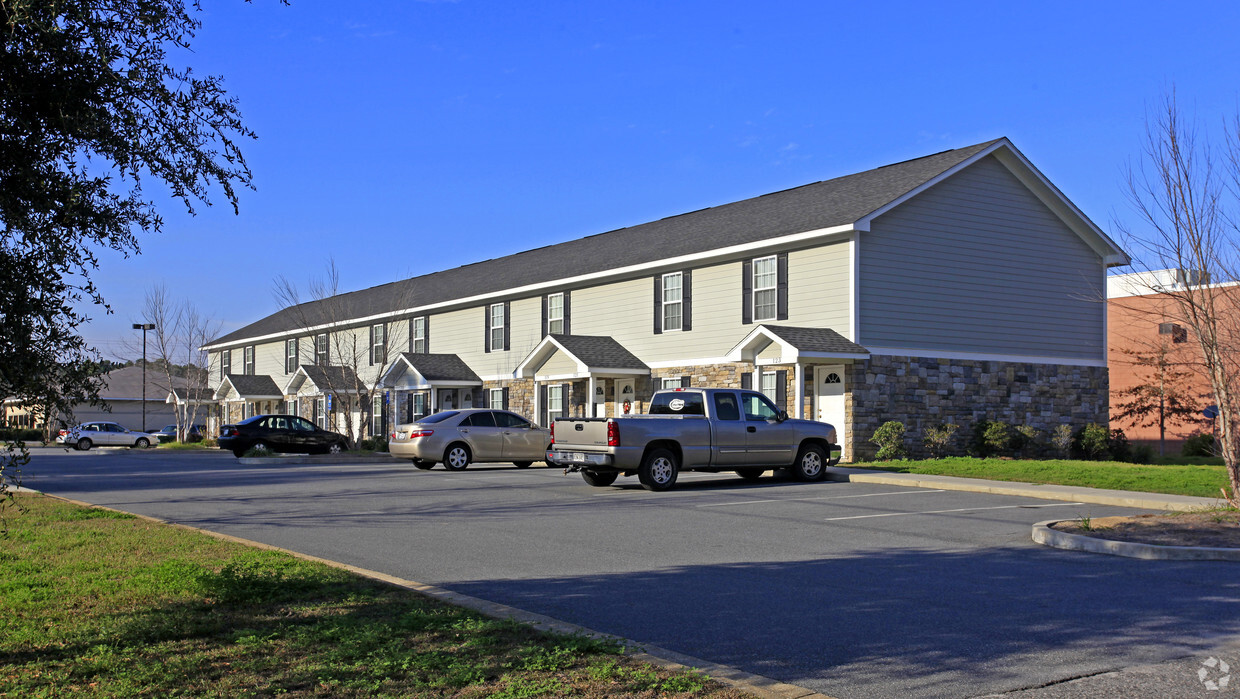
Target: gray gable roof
334, 378
599, 351
816, 339
836, 202
257, 386
441, 367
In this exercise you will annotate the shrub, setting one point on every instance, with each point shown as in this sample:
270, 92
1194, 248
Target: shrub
1061, 440
977, 440
989, 437
20, 435
1092, 442
375, 443
1141, 454
1199, 445
1025, 439
938, 439
890, 440
1118, 446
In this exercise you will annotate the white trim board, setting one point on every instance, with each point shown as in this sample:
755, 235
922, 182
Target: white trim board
984, 356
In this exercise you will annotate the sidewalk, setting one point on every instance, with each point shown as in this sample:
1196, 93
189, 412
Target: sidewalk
1068, 493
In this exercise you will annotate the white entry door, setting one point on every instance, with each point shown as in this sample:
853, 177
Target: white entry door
829, 398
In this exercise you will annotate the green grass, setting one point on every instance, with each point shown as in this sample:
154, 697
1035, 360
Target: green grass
1200, 479
106, 604
207, 444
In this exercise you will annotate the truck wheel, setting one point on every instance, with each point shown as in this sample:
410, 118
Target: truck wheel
658, 470
456, 458
522, 464
810, 464
599, 479
750, 474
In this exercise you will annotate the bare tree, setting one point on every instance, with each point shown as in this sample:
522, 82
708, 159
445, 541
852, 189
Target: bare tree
1185, 192
332, 314
1165, 396
180, 333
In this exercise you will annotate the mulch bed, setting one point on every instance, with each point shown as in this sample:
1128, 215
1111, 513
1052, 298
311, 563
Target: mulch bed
1212, 529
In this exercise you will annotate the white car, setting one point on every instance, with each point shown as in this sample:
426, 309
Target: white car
106, 434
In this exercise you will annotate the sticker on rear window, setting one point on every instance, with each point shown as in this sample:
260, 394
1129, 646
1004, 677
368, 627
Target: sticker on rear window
676, 404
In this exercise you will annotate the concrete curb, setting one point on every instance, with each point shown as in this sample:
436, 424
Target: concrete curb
1067, 493
1043, 534
760, 686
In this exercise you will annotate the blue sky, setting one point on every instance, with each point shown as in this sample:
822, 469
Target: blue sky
404, 137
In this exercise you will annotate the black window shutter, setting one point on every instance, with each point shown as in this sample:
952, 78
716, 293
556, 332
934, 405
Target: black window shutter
564, 394
658, 304
684, 382
386, 339
567, 296
686, 300
747, 380
781, 389
747, 292
543, 415
546, 330
426, 334
781, 289
507, 324
296, 354
505, 390
412, 322
486, 328
372, 345
485, 402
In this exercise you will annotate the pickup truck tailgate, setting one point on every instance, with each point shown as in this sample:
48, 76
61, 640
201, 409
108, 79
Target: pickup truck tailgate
580, 432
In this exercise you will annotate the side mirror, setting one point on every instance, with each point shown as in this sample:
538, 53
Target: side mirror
778, 417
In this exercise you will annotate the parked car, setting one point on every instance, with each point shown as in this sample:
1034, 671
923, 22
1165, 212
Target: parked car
461, 437
169, 433
286, 434
106, 434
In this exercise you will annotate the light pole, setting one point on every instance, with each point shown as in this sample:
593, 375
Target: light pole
144, 327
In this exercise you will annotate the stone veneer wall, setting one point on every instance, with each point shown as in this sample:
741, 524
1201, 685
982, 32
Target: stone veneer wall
923, 392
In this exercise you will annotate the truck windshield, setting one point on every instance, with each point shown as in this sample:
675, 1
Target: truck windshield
677, 403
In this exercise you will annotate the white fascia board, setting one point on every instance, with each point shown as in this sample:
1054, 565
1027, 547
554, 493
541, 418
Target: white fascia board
854, 289
561, 377
531, 289
539, 355
700, 361
984, 357
600, 371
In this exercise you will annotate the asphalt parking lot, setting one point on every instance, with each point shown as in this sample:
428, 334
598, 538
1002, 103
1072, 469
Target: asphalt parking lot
853, 590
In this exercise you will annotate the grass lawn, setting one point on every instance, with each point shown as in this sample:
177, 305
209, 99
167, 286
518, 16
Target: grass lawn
106, 604
1200, 479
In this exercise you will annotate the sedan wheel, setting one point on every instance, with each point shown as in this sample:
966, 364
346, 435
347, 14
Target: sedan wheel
83, 444
423, 464
142, 443
810, 464
261, 447
456, 458
337, 448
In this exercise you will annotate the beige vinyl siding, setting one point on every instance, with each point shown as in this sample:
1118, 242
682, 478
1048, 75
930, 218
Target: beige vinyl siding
460, 333
268, 360
557, 365
819, 288
978, 264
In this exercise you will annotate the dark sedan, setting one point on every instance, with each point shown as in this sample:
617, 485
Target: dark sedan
286, 434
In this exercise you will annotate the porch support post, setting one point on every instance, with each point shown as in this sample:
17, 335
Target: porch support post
590, 397
799, 380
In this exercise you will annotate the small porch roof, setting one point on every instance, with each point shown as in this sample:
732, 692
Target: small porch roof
322, 379
184, 396
589, 355
796, 345
430, 371
245, 387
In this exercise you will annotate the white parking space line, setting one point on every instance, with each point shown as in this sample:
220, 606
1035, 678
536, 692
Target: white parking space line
961, 509
811, 498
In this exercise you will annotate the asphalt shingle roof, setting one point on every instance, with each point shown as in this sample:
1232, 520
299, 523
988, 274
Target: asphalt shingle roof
599, 351
441, 367
253, 385
840, 201
816, 339
334, 378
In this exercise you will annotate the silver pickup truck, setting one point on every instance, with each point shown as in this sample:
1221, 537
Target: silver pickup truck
694, 429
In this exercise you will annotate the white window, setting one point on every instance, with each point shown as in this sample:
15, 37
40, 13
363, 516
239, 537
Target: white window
497, 327
320, 350
249, 360
290, 406
673, 382
555, 314
376, 416
768, 384
225, 363
291, 360
419, 404
496, 400
673, 301
555, 401
378, 350
419, 335
320, 412
765, 295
